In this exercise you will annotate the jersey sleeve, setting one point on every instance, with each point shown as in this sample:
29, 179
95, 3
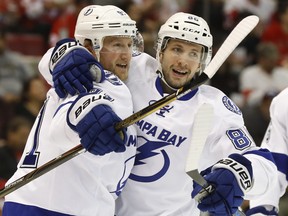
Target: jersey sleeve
229, 135
43, 67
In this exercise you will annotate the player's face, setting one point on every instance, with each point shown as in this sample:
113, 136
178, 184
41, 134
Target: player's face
116, 55
180, 61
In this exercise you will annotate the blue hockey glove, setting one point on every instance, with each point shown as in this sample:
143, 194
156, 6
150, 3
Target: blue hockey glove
73, 68
97, 133
262, 210
231, 177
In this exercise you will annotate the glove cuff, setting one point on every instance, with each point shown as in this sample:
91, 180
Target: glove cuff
62, 48
243, 173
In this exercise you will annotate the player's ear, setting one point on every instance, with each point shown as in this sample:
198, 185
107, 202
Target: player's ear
88, 45
161, 57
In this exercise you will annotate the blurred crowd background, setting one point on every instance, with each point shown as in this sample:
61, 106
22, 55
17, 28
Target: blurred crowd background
253, 74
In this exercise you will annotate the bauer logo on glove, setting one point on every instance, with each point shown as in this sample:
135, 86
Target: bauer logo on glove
74, 68
82, 105
61, 51
243, 177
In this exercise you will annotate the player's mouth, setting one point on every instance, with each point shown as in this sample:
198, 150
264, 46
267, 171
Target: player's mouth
180, 72
123, 66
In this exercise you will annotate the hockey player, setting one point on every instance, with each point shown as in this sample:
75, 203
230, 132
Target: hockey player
158, 184
89, 183
276, 140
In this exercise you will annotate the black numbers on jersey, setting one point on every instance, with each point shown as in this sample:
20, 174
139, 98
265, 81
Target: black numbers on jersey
239, 139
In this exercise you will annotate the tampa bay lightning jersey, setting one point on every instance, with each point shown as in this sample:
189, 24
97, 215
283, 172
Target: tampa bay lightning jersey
276, 140
158, 184
86, 185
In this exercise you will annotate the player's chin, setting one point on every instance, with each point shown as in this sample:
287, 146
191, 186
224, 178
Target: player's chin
177, 83
122, 74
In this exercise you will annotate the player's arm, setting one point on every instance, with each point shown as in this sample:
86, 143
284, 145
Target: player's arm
246, 171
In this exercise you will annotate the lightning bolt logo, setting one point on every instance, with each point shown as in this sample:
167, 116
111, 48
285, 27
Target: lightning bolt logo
147, 150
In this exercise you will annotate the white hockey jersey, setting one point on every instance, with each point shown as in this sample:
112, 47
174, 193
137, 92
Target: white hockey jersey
276, 140
86, 185
158, 184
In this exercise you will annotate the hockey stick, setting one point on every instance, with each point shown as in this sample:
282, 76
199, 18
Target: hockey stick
232, 41
201, 127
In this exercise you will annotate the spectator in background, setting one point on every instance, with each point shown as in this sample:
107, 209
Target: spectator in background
13, 72
64, 25
264, 74
33, 96
277, 32
146, 15
16, 134
212, 11
117, 3
264, 9
235, 10
257, 117
227, 76
11, 13
38, 16
6, 113
11, 148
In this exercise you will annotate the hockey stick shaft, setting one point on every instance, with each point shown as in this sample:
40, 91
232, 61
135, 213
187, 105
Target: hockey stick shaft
232, 41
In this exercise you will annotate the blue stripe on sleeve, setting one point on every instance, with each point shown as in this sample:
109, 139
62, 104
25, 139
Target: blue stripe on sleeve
281, 161
265, 153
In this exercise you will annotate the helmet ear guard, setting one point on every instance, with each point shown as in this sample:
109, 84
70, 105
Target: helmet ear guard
138, 44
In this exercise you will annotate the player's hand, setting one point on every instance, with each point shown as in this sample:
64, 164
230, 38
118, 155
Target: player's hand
73, 68
262, 211
231, 177
97, 133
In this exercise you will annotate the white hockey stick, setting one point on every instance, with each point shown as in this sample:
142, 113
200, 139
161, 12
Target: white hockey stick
231, 42
202, 125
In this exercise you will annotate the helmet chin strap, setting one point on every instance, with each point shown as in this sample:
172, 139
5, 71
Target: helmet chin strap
161, 76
